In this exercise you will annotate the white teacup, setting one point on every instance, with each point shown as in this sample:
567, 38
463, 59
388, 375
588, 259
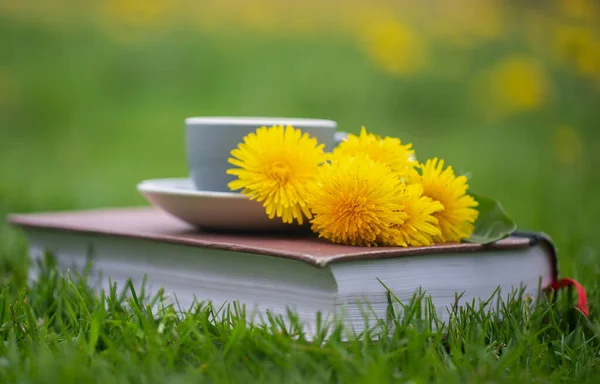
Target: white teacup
209, 141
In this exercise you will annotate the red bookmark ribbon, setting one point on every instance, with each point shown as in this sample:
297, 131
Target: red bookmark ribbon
582, 302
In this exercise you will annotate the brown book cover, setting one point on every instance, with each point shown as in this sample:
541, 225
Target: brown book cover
156, 225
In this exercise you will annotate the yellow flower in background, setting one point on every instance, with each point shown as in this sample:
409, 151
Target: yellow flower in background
580, 47
582, 9
466, 23
276, 167
258, 15
136, 21
137, 12
389, 151
514, 85
519, 83
356, 201
395, 47
459, 214
420, 227
568, 145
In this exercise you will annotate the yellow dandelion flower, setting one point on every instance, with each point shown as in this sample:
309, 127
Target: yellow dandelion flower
420, 228
579, 46
355, 201
276, 167
389, 151
395, 46
581, 9
519, 83
457, 220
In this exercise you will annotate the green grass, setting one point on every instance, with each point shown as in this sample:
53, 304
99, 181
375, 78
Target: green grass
85, 118
60, 331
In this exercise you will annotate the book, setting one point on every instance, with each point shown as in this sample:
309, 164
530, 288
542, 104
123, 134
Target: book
285, 271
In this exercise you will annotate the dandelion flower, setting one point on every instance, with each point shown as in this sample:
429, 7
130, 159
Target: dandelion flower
519, 84
276, 167
355, 201
456, 221
420, 228
395, 46
389, 150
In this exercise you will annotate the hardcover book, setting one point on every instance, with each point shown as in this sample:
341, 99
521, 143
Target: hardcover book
278, 272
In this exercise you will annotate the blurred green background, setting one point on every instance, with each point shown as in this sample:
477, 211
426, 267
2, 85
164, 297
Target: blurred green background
93, 97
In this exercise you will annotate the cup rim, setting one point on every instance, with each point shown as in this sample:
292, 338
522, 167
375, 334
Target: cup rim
253, 121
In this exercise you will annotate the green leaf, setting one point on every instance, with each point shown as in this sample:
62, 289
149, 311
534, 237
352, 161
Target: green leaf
493, 223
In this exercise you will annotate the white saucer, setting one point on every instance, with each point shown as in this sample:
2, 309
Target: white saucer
209, 210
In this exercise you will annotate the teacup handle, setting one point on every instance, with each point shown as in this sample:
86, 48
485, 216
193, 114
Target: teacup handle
338, 137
